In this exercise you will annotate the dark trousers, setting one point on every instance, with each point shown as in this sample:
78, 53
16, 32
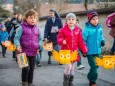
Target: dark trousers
113, 48
14, 54
93, 73
3, 50
28, 72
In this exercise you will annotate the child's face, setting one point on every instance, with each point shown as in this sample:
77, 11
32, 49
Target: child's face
20, 17
3, 29
77, 22
71, 22
94, 21
32, 20
16, 15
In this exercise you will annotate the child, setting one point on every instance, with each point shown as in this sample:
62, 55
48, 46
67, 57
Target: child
53, 24
11, 23
93, 36
71, 36
3, 38
11, 38
39, 54
79, 65
27, 41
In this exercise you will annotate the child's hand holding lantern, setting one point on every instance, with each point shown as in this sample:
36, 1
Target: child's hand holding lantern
19, 49
64, 41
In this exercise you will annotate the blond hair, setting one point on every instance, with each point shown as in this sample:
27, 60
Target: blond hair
30, 13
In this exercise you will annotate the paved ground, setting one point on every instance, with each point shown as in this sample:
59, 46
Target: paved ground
50, 75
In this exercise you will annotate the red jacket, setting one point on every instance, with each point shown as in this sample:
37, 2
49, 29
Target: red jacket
73, 39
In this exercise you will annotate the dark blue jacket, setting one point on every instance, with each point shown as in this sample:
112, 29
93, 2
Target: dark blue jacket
12, 23
47, 33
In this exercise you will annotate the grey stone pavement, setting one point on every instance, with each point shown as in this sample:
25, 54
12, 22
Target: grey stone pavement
50, 75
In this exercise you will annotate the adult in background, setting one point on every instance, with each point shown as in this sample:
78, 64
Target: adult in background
112, 33
13, 22
7, 23
19, 18
53, 24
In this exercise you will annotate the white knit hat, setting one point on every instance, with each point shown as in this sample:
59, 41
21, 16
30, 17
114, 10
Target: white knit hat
70, 15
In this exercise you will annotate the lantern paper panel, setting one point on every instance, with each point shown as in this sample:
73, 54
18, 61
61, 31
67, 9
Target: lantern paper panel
65, 56
22, 60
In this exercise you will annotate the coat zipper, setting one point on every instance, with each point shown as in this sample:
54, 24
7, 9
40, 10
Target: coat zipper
72, 40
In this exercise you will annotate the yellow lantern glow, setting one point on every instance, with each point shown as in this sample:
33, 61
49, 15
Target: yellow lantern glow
11, 47
106, 62
6, 43
64, 56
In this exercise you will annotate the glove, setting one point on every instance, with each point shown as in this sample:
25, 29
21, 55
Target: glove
103, 43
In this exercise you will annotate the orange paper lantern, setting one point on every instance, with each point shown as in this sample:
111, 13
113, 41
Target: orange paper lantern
11, 47
22, 60
6, 43
65, 56
107, 62
47, 46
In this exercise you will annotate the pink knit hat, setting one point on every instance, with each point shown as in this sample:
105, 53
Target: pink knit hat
91, 14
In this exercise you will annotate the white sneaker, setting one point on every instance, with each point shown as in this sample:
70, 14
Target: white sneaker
80, 67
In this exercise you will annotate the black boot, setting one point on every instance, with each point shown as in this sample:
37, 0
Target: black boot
71, 80
66, 80
4, 55
49, 60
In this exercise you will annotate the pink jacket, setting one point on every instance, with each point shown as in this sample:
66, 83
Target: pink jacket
73, 39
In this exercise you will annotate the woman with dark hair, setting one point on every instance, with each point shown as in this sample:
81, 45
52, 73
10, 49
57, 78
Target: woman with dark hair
53, 24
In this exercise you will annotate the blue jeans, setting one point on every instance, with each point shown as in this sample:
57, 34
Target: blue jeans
38, 57
113, 48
